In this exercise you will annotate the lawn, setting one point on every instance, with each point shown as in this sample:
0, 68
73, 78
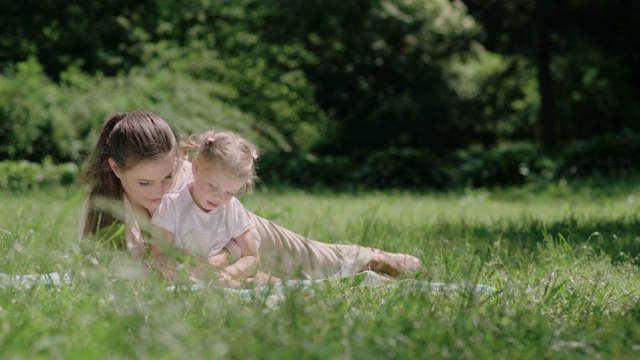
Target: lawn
563, 261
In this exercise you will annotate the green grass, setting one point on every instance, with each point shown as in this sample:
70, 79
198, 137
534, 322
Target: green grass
563, 259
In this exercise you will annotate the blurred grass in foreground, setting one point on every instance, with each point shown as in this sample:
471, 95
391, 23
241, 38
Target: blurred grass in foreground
563, 258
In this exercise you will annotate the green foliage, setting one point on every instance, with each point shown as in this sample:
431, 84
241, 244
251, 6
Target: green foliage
593, 71
609, 155
401, 168
279, 99
384, 169
354, 93
498, 98
61, 34
516, 164
61, 121
306, 82
513, 164
30, 128
306, 171
222, 42
507, 165
327, 77
380, 68
24, 175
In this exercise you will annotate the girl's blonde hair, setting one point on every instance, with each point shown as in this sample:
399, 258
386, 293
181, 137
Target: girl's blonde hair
228, 150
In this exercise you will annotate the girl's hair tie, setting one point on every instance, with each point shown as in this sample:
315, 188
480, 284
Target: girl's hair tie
254, 155
209, 140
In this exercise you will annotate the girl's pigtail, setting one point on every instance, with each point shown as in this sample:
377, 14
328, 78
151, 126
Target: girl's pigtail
188, 145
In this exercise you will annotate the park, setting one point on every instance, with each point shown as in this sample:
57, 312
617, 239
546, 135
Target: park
496, 141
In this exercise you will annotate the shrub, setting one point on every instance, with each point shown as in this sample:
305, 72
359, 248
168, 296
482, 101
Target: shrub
306, 170
384, 169
29, 126
61, 121
24, 175
402, 168
608, 155
506, 165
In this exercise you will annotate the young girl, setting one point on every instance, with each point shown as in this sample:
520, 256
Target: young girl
205, 215
136, 161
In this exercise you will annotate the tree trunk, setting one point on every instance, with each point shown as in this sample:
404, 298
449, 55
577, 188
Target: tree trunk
546, 114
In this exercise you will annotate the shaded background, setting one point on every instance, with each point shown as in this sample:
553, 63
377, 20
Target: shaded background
375, 94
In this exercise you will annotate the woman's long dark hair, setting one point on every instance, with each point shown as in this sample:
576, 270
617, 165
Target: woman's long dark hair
127, 139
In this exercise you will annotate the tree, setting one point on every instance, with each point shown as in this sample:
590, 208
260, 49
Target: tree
61, 33
381, 68
586, 58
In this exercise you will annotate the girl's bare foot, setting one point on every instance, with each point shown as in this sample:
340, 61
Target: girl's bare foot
393, 264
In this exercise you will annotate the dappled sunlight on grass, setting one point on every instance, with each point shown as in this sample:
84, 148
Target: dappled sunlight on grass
564, 269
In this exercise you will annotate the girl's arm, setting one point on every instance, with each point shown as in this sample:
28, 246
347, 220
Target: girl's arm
249, 263
164, 257
158, 249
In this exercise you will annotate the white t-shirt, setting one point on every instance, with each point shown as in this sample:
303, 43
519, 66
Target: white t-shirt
196, 230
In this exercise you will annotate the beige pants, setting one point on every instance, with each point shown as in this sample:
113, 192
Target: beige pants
288, 255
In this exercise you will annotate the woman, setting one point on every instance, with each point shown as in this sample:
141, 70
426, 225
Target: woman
135, 162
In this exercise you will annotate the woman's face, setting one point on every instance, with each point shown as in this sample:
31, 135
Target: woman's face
212, 186
145, 183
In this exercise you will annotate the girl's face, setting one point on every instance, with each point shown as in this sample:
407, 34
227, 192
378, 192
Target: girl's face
145, 183
212, 186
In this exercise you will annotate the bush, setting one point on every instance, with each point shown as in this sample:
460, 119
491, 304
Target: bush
41, 119
402, 168
607, 155
384, 169
306, 170
29, 126
506, 165
24, 175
